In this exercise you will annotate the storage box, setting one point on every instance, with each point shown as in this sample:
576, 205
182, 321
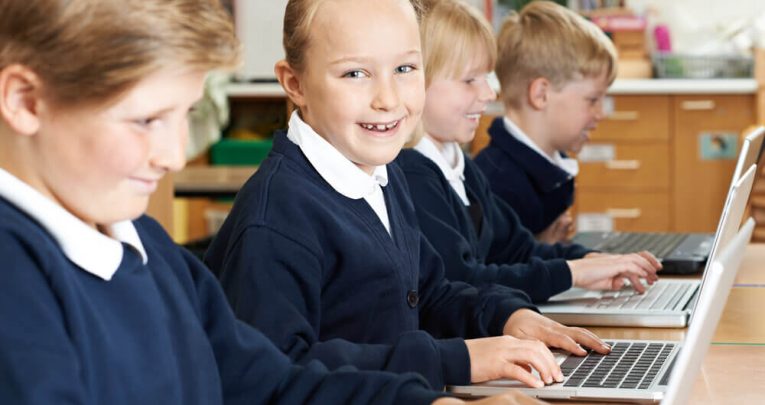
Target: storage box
240, 152
670, 65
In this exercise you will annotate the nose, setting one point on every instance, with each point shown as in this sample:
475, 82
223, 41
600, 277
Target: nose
598, 114
386, 96
169, 148
487, 93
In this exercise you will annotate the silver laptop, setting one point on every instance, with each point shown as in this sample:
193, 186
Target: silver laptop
680, 253
668, 303
751, 149
642, 370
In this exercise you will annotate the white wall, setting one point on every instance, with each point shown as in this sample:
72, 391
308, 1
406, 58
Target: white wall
694, 23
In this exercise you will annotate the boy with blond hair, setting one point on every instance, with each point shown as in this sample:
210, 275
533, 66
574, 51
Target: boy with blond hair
554, 68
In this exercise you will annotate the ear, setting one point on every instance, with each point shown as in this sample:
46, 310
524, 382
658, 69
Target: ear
538, 93
20, 99
290, 81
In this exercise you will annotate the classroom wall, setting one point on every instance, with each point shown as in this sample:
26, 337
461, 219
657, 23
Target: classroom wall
695, 23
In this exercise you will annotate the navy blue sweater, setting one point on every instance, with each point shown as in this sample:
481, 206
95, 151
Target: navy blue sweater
160, 333
319, 274
501, 251
538, 190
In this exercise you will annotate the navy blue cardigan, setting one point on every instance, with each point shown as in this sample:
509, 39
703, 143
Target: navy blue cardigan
319, 274
502, 252
538, 190
160, 333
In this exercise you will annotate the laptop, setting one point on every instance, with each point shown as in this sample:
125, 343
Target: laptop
668, 303
680, 253
642, 371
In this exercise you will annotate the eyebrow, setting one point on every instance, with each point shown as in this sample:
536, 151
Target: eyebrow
358, 59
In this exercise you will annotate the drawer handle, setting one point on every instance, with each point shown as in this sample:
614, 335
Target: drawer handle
698, 105
624, 116
624, 213
623, 164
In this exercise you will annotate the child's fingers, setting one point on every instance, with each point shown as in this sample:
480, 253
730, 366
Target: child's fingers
536, 354
517, 372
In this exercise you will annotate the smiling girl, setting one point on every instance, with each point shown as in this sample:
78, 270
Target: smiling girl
322, 250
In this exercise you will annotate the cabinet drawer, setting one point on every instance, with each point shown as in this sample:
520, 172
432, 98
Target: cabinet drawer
634, 118
644, 166
629, 211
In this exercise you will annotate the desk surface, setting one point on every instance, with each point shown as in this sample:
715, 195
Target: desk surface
752, 271
211, 180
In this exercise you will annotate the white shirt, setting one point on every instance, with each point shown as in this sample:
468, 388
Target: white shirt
337, 170
450, 160
571, 166
85, 246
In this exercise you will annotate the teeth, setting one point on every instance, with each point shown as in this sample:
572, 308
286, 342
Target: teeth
380, 127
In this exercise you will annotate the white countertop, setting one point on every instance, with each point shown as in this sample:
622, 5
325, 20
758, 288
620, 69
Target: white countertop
683, 86
620, 86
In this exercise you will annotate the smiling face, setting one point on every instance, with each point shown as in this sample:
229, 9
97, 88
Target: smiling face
453, 106
103, 163
574, 111
363, 87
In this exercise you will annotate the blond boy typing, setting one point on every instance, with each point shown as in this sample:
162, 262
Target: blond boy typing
554, 68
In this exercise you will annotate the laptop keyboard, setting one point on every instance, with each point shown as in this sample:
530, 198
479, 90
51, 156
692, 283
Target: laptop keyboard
660, 244
659, 296
632, 365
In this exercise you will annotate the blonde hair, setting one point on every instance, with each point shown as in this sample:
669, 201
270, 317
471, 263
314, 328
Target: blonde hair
91, 51
298, 18
548, 40
452, 33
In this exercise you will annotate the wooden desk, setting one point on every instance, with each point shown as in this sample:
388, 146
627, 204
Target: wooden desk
730, 375
752, 271
211, 181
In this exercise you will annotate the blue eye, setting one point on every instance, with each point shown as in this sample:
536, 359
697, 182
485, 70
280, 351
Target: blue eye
355, 74
406, 69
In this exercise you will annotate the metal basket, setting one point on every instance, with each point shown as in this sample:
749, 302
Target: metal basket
679, 66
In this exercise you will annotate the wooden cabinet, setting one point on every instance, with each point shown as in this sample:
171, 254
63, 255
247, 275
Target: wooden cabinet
702, 184
660, 159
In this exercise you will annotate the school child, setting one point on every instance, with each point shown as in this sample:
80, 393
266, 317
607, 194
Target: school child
95, 307
322, 251
554, 68
478, 236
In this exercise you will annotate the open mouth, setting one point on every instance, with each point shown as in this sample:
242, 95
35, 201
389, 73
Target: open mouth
380, 127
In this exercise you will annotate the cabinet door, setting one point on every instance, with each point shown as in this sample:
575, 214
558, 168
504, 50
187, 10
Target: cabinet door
636, 167
703, 126
634, 119
627, 211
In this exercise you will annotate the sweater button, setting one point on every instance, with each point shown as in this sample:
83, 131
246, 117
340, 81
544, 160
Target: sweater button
412, 298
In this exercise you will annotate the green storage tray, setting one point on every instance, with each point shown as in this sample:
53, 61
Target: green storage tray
239, 152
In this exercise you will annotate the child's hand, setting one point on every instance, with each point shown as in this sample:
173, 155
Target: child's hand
507, 357
558, 231
527, 324
511, 397
603, 271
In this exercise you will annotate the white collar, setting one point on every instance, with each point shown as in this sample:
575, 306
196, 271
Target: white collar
444, 158
453, 172
342, 174
571, 166
89, 249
